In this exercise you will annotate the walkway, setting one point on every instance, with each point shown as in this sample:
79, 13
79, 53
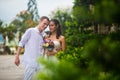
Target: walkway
8, 70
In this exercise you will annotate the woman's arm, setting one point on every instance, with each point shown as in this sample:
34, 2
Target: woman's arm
63, 43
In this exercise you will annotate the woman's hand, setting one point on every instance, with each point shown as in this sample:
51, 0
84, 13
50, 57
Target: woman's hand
50, 53
58, 49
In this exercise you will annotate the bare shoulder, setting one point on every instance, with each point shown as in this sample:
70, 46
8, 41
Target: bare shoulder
62, 38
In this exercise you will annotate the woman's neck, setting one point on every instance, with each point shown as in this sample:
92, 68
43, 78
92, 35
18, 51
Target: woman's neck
53, 35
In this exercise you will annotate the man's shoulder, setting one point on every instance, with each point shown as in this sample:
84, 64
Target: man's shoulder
30, 29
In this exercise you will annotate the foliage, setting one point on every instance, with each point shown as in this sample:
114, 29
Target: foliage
93, 12
82, 13
23, 21
55, 70
8, 30
74, 34
1, 26
63, 15
110, 11
98, 57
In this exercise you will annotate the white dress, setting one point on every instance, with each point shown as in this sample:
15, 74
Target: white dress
57, 45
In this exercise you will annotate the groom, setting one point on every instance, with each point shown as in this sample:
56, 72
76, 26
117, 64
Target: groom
31, 41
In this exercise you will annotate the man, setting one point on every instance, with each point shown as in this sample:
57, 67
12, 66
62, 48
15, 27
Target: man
32, 42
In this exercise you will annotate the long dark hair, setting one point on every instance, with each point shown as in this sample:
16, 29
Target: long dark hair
59, 32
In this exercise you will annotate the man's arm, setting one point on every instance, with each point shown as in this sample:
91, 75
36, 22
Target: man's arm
22, 43
17, 59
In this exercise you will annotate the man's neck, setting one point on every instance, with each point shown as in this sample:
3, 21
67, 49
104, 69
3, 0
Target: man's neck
39, 29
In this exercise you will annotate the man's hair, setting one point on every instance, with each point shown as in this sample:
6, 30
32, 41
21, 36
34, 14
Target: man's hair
44, 17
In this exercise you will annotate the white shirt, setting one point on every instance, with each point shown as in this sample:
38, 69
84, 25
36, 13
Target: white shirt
32, 42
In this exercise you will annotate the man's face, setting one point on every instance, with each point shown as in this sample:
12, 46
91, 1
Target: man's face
43, 24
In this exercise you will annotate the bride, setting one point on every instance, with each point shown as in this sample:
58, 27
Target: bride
56, 37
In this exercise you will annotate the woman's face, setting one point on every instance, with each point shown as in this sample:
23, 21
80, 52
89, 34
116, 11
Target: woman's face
52, 26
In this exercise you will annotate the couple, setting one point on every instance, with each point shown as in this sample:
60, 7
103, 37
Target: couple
32, 40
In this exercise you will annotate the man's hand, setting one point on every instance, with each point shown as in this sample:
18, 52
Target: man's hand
17, 60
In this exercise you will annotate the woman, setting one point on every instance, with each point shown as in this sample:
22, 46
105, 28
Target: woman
56, 37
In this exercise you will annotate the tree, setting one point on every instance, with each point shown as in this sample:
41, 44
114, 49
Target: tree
63, 15
23, 21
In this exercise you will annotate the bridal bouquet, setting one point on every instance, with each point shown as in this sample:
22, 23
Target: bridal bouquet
48, 44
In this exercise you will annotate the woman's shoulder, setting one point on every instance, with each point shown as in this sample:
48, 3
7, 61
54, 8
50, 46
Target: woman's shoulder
62, 37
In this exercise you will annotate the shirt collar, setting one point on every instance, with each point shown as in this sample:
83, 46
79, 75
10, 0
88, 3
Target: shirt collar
37, 30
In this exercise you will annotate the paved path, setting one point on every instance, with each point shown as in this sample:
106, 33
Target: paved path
8, 70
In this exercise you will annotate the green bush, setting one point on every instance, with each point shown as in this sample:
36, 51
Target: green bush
98, 59
57, 70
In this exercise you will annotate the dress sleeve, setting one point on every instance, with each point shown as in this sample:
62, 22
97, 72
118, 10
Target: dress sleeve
25, 38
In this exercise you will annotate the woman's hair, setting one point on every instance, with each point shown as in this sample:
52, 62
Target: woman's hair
59, 32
